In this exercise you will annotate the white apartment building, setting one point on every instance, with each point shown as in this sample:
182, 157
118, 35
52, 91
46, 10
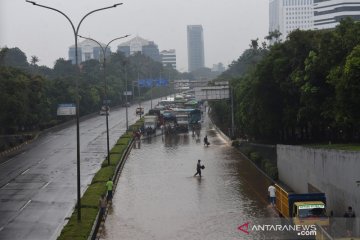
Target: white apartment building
288, 15
87, 50
328, 13
168, 58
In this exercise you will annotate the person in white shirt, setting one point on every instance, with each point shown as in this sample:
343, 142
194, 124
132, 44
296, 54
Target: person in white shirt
272, 195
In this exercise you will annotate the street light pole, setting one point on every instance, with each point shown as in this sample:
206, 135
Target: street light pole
232, 113
126, 99
75, 31
105, 88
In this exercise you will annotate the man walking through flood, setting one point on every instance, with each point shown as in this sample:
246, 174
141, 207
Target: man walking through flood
206, 142
198, 168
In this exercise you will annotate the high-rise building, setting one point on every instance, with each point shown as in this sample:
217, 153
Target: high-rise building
328, 13
195, 42
151, 50
288, 15
168, 58
218, 68
87, 50
138, 44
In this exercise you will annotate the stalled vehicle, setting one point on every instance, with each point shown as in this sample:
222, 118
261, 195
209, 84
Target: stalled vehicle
150, 124
301, 208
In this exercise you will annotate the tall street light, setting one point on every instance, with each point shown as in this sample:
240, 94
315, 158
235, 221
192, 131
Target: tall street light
105, 87
126, 98
75, 31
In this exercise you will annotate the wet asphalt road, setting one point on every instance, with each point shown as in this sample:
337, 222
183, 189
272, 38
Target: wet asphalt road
38, 186
157, 196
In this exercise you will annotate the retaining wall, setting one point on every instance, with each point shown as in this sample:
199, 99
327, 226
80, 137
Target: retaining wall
334, 172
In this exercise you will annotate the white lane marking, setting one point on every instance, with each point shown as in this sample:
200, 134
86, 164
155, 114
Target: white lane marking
41, 160
45, 185
5, 185
1, 229
25, 171
25, 205
6, 161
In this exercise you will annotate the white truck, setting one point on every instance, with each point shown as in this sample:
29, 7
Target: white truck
150, 124
103, 110
182, 121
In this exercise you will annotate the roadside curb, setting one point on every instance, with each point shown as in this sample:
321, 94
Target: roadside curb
15, 150
18, 147
98, 225
242, 154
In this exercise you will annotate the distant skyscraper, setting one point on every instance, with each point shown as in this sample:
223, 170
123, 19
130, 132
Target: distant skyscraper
195, 41
168, 58
87, 50
138, 44
328, 13
288, 15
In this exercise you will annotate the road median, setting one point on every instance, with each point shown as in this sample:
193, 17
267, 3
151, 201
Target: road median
87, 228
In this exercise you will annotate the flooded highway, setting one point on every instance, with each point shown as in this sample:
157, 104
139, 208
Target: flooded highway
157, 196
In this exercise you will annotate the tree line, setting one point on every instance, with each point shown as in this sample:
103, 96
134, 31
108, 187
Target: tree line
30, 94
305, 89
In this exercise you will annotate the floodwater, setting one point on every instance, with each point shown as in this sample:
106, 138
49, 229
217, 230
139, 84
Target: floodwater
157, 196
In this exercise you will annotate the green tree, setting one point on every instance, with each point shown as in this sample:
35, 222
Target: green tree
34, 60
13, 57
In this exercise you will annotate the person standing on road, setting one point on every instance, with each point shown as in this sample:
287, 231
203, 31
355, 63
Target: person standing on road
102, 205
206, 142
109, 186
272, 194
198, 168
349, 216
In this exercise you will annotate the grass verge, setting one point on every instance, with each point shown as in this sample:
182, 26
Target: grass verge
346, 147
75, 230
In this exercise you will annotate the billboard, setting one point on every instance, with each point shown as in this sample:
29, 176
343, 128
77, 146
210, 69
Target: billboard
127, 93
67, 109
212, 93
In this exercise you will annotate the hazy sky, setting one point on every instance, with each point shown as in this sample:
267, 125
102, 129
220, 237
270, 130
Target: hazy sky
228, 26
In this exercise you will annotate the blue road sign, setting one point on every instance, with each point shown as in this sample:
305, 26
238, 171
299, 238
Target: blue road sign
147, 83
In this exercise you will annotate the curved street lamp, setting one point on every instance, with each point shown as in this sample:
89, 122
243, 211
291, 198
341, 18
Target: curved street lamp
75, 31
105, 88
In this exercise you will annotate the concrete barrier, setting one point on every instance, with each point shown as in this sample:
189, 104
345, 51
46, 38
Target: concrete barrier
334, 172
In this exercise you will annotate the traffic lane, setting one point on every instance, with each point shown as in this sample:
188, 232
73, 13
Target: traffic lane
61, 144
41, 193
41, 182
158, 198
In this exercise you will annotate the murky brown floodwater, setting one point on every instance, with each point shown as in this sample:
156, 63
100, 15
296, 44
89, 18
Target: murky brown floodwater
158, 198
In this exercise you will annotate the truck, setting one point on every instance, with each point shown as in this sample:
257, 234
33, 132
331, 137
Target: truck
104, 110
139, 111
182, 121
150, 124
301, 209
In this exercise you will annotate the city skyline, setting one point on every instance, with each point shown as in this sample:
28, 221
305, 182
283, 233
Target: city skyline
47, 35
288, 15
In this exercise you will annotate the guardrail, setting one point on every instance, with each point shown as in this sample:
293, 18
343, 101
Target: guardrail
98, 223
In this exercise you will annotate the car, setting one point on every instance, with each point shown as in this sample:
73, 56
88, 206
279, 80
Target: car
127, 104
140, 111
103, 110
